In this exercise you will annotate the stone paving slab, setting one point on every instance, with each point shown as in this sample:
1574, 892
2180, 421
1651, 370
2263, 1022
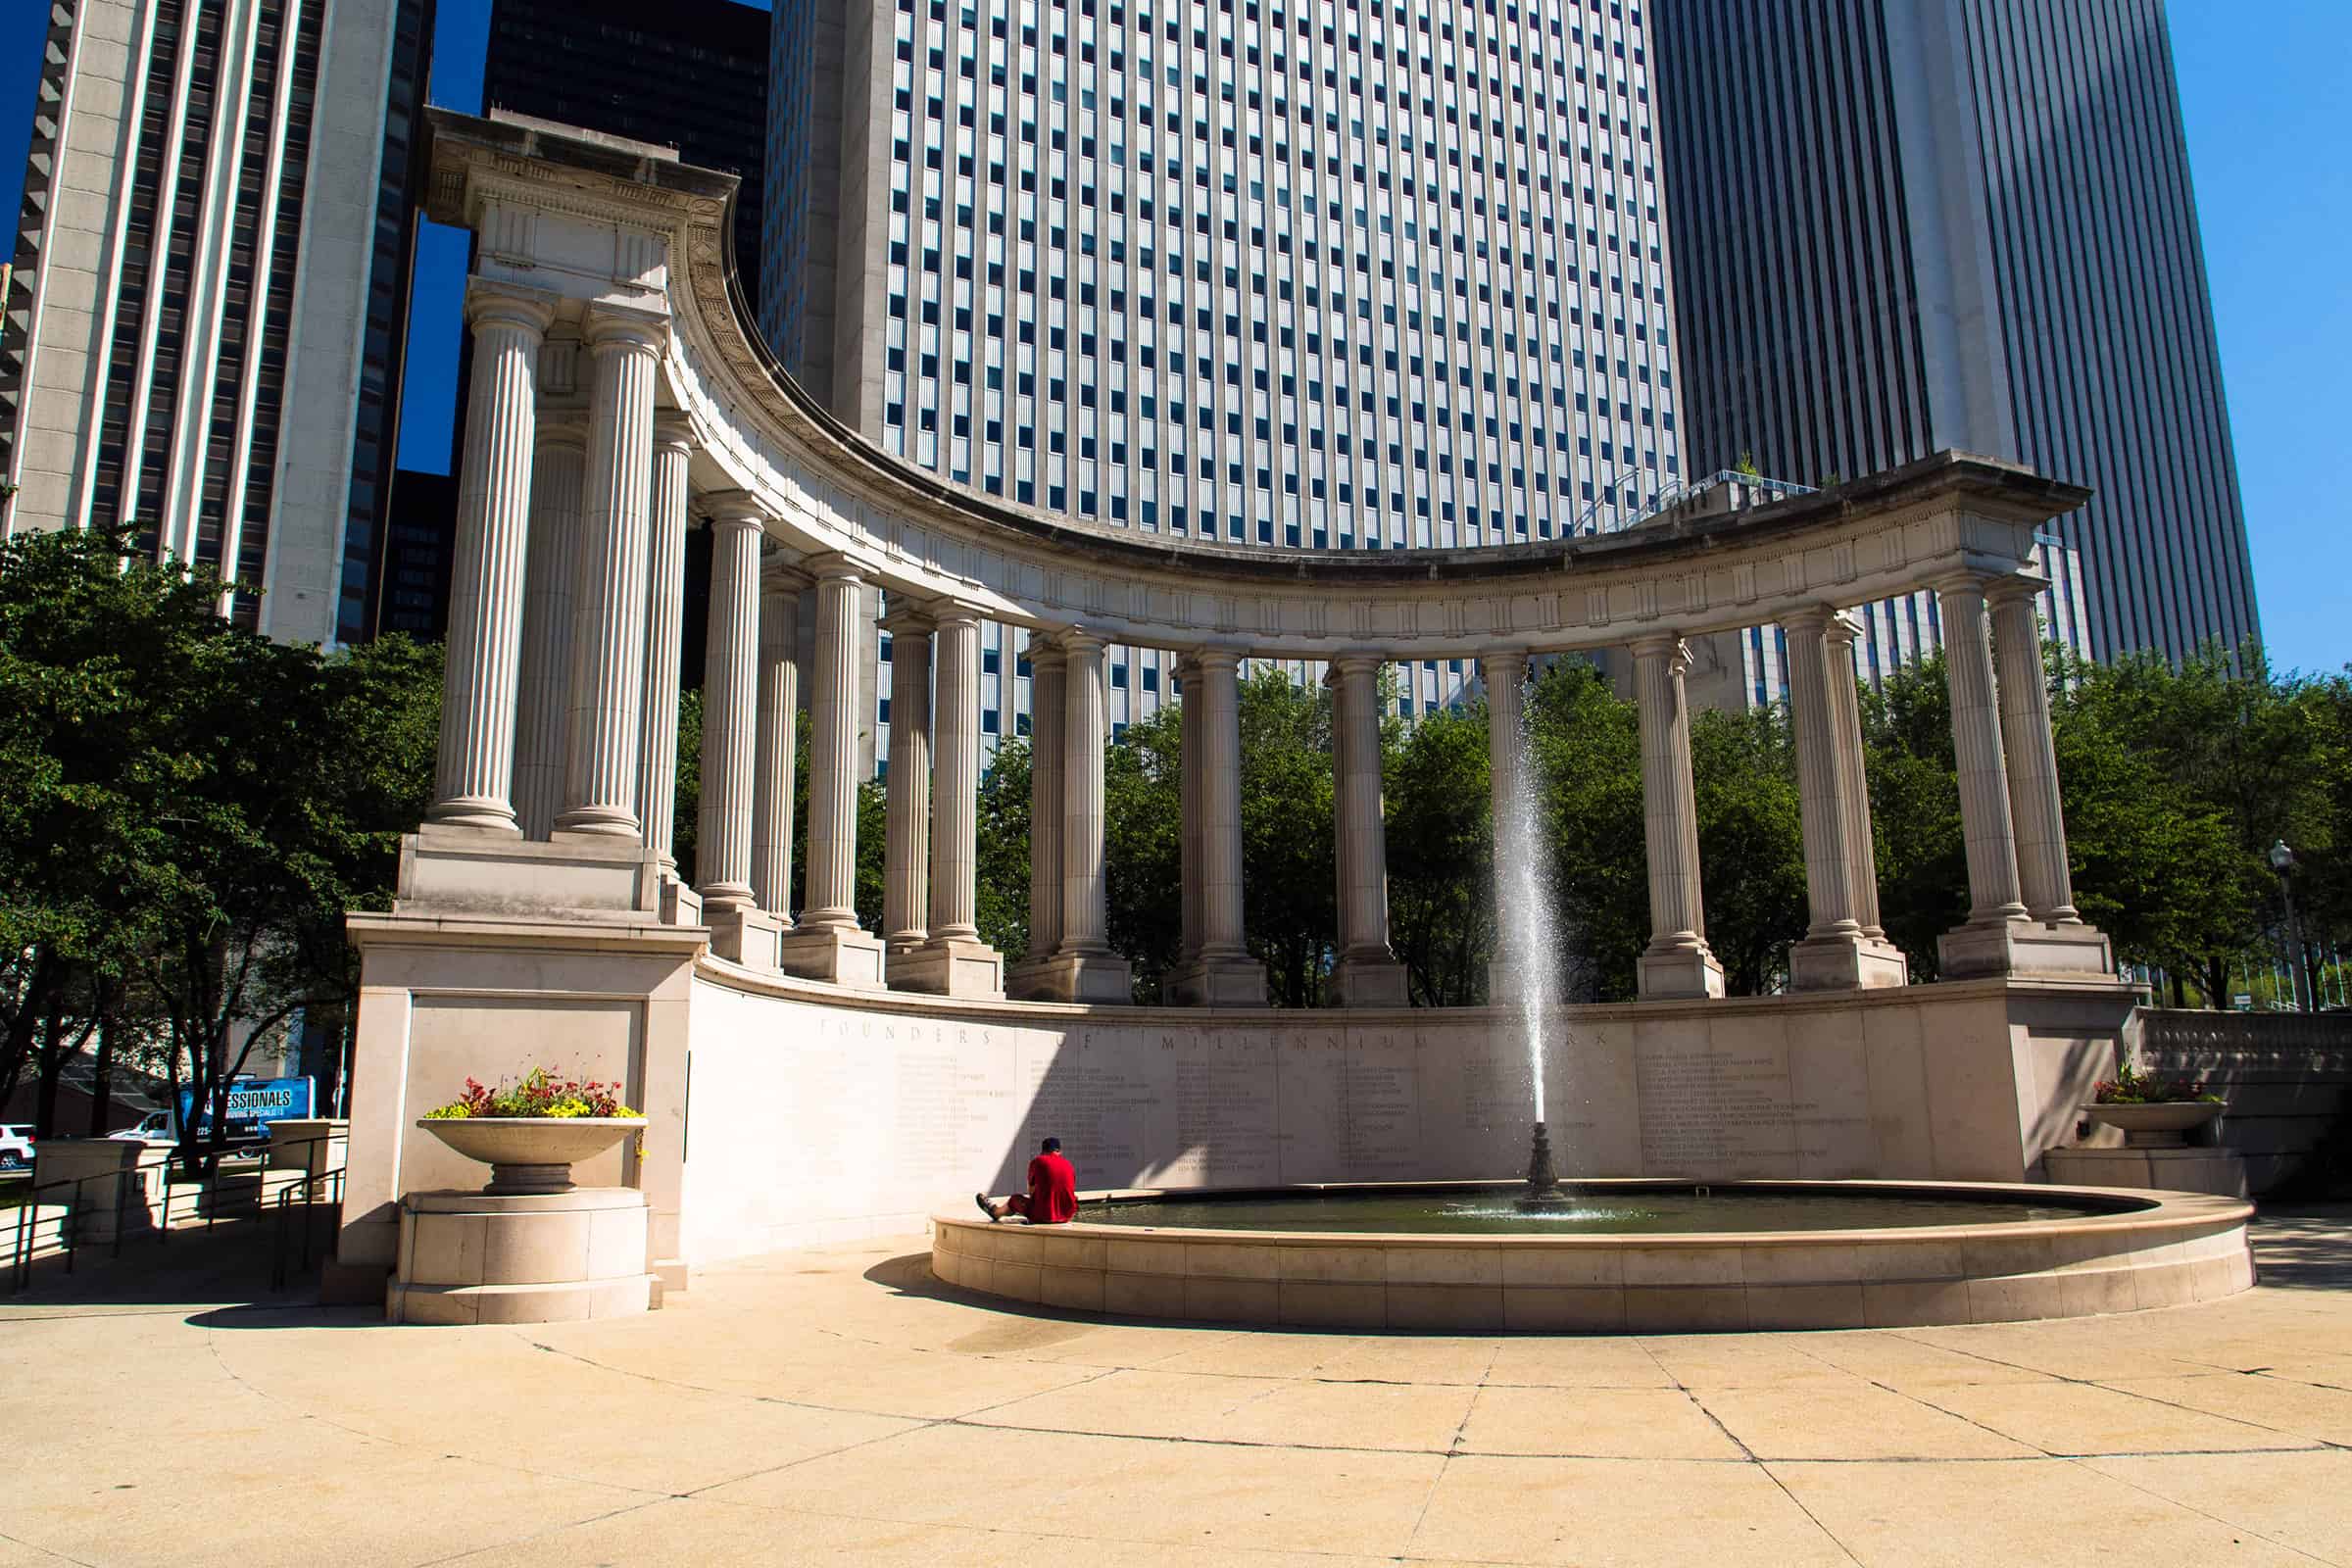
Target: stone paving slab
839, 1405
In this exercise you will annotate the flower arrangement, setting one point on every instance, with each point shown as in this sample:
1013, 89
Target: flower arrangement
2132, 1087
539, 1094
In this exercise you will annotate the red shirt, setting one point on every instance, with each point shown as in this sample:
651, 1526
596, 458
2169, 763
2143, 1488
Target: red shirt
1052, 1190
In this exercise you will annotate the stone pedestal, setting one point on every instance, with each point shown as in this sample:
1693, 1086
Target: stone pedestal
1679, 974
1846, 963
580, 875
1990, 949
1363, 983
2167, 1171
949, 966
118, 1183
1217, 983
841, 956
747, 936
1073, 977
545, 1257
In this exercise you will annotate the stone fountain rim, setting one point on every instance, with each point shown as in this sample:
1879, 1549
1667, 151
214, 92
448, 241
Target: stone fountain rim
2113, 1209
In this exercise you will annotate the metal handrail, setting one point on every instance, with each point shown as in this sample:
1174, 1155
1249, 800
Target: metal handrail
64, 1237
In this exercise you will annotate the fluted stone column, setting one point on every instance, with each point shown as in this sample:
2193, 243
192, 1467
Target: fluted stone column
665, 638
730, 708
1504, 674
2053, 938
907, 852
1081, 967
1678, 961
1837, 953
545, 679
1845, 711
1048, 698
1190, 894
954, 960
474, 771
608, 661
1367, 973
828, 944
2044, 878
1986, 822
1220, 971
772, 775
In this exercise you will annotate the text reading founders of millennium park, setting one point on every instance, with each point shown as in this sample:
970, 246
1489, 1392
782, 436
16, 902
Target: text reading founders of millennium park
769, 1041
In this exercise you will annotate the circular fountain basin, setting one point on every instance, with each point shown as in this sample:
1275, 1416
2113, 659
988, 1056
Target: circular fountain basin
1628, 1256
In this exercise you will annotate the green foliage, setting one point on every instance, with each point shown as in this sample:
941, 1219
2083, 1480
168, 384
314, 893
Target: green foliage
2132, 1087
1004, 851
193, 806
1441, 857
1585, 745
1751, 848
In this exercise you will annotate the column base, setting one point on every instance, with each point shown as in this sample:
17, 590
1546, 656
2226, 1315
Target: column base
679, 904
1370, 983
1998, 948
1846, 963
841, 956
1215, 983
949, 966
450, 870
1098, 977
1679, 974
750, 937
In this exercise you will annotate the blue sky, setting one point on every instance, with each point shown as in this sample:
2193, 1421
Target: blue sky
2261, 92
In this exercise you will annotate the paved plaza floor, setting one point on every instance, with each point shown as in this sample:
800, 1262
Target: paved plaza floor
840, 1405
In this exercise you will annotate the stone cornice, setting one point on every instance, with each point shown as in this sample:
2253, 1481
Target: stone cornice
829, 491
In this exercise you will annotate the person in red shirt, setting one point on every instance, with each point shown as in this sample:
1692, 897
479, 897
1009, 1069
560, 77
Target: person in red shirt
1052, 1195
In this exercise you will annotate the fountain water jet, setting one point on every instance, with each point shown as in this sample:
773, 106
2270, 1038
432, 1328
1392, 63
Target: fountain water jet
1527, 932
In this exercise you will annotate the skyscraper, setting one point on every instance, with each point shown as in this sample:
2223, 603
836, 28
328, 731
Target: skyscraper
1912, 225
201, 329
685, 73
1309, 273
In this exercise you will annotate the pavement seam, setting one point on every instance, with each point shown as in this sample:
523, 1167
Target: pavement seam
46, 1551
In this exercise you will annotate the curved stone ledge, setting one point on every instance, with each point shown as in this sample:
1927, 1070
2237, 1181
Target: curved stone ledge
2177, 1249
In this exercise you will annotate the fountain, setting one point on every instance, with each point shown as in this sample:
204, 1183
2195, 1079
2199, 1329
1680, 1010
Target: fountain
1528, 943
1542, 1195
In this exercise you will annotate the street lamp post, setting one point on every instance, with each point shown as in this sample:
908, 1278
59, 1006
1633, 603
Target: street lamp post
2283, 860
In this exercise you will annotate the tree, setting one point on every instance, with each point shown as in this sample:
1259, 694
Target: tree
1289, 897
1751, 847
1003, 851
1143, 794
1441, 857
1915, 809
1585, 745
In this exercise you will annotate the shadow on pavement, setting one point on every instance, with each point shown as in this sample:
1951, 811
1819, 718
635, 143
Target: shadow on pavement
2305, 1247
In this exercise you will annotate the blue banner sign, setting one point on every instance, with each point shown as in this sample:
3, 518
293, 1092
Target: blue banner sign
253, 1104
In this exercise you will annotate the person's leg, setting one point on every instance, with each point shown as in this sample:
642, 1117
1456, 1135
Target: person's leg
1018, 1203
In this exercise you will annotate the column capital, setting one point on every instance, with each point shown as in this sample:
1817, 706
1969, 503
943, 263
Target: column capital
732, 508
779, 575
908, 614
672, 431
1078, 640
2018, 585
956, 612
1844, 629
1960, 580
1666, 645
1810, 617
1358, 661
1501, 659
625, 327
1214, 658
834, 567
1045, 651
490, 302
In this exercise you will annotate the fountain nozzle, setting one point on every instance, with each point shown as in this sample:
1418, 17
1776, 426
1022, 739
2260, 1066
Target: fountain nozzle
1542, 1182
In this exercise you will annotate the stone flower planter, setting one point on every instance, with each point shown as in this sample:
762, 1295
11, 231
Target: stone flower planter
530, 1153
2165, 1124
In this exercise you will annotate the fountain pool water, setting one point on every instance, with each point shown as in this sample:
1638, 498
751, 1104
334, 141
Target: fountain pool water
1620, 1256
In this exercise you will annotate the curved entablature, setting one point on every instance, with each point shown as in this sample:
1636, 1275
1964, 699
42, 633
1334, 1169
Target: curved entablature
588, 225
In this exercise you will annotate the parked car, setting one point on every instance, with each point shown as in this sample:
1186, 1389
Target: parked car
16, 1146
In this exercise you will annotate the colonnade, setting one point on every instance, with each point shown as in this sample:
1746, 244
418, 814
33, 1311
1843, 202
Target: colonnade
561, 702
